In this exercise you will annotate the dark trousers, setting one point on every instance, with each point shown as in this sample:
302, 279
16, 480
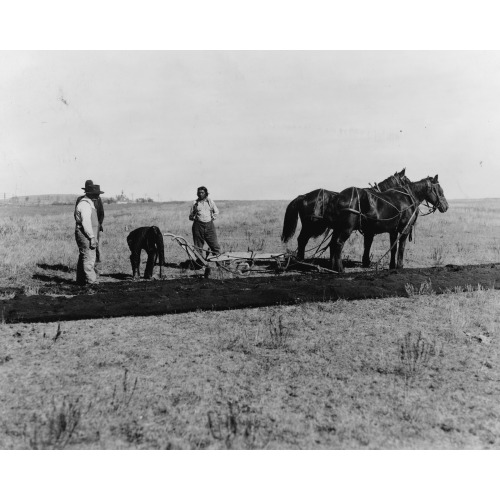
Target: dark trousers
204, 232
98, 251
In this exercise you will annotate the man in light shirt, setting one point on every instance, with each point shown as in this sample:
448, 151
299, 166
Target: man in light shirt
203, 213
86, 230
100, 217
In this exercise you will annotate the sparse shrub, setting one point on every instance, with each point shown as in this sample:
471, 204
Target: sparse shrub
469, 289
437, 256
55, 430
424, 289
415, 353
279, 334
29, 290
133, 431
121, 398
238, 427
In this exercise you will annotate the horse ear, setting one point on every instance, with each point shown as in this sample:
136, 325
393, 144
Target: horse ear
435, 179
402, 172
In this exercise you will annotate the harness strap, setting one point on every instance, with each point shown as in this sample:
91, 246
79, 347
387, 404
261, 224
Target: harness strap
317, 214
351, 210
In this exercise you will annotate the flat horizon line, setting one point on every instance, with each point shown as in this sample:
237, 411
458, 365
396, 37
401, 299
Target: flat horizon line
220, 200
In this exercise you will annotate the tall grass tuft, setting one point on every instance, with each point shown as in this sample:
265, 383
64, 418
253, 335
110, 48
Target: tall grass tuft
278, 334
238, 427
30, 290
425, 288
121, 398
55, 430
415, 353
437, 256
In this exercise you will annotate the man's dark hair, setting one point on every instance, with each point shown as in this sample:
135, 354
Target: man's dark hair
202, 188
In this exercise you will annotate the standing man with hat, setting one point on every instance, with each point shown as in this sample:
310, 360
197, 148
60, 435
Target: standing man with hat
100, 218
203, 213
86, 231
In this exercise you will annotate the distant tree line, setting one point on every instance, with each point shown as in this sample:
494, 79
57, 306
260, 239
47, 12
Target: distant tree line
68, 199
123, 198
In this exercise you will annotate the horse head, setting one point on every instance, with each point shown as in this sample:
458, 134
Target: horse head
401, 178
435, 195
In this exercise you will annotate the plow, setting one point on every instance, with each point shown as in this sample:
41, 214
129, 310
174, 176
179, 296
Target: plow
244, 263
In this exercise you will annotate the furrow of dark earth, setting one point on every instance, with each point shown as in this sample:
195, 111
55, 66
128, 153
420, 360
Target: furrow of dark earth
66, 302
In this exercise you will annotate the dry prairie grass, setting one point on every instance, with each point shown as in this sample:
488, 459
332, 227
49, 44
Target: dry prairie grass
44, 236
414, 373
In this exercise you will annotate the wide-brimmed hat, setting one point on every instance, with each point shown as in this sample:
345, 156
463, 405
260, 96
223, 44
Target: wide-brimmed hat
91, 188
94, 189
88, 184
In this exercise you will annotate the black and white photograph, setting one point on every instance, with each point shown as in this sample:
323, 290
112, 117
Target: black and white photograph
252, 250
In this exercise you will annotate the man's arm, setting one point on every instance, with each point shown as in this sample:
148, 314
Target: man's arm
192, 213
100, 212
215, 210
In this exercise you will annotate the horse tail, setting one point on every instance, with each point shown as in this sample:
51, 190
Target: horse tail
158, 238
291, 217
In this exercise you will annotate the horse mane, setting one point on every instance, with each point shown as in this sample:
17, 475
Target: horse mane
392, 181
419, 184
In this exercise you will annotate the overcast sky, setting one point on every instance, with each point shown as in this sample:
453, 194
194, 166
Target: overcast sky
247, 124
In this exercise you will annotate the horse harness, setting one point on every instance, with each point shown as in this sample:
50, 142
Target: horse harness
405, 192
317, 213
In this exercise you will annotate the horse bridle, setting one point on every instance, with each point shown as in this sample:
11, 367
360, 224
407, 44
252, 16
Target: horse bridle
433, 189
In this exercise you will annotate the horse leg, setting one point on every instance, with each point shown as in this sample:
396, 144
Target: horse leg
302, 240
338, 240
368, 245
135, 260
401, 250
345, 224
337, 244
148, 273
394, 237
332, 250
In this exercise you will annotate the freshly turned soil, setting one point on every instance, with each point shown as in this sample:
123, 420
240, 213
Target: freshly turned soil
66, 301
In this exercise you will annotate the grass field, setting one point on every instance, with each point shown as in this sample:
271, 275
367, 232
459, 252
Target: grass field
405, 373
34, 238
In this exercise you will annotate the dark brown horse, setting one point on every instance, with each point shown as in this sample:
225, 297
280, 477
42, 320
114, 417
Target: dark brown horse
315, 210
393, 211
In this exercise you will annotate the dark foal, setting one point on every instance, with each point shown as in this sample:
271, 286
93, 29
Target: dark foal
149, 239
